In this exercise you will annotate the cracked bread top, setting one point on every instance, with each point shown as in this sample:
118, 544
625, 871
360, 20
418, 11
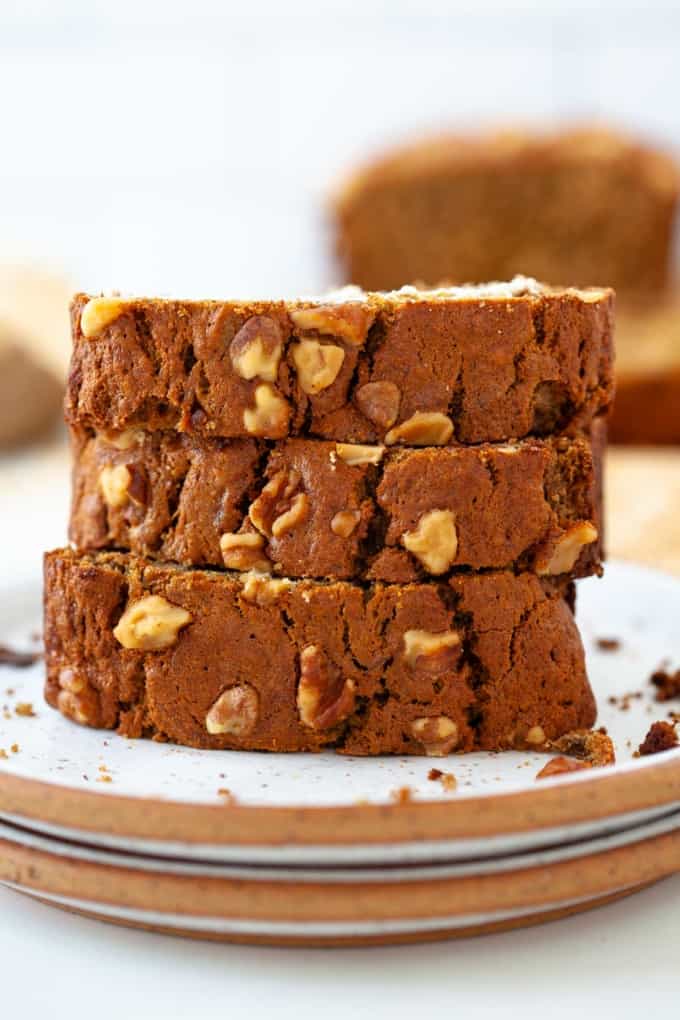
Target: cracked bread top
411, 367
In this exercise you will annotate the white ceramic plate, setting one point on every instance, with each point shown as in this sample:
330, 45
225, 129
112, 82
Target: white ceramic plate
635, 605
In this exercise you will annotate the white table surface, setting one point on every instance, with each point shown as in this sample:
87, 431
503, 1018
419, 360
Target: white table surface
616, 961
619, 961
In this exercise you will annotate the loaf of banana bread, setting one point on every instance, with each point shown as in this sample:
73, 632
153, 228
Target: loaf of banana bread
220, 660
314, 508
415, 368
569, 206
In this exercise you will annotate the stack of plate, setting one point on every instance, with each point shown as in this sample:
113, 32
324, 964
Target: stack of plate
324, 849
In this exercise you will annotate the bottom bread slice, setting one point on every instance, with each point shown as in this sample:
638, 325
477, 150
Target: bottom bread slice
218, 660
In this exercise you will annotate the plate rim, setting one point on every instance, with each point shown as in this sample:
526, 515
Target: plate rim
561, 802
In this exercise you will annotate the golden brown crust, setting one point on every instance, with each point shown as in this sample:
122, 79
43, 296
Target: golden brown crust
382, 670
490, 367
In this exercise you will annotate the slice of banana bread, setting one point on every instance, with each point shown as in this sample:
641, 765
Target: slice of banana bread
415, 368
219, 660
314, 508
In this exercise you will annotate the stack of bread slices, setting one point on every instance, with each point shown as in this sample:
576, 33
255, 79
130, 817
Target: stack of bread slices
351, 522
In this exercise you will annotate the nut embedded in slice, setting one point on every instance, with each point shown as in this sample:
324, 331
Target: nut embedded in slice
263, 590
438, 734
568, 549
151, 624
379, 402
243, 551
536, 736
355, 454
349, 322
432, 653
424, 428
256, 349
70, 680
99, 313
73, 706
269, 417
122, 440
235, 712
324, 698
317, 365
114, 484
293, 517
275, 501
434, 542
344, 522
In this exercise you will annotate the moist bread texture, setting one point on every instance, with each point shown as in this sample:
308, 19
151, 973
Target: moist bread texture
314, 508
416, 368
571, 206
218, 660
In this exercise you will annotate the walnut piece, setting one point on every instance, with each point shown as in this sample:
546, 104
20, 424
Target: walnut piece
150, 624
438, 734
560, 766
263, 590
568, 549
434, 542
122, 440
351, 322
536, 736
256, 349
280, 507
74, 699
355, 454
431, 653
114, 484
379, 402
269, 417
424, 428
99, 313
317, 365
235, 712
73, 706
324, 698
243, 551
345, 522
70, 680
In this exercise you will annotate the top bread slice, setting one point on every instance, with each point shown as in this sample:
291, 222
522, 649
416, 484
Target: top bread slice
455, 365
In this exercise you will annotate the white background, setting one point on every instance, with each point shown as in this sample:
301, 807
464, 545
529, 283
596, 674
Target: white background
186, 147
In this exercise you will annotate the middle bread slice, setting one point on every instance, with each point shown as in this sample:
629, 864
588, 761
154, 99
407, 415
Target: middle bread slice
320, 509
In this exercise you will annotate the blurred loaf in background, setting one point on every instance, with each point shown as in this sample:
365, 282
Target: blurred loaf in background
578, 206
34, 352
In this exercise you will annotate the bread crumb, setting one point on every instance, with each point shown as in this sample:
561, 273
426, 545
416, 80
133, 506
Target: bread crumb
15, 748
593, 746
104, 778
25, 709
608, 644
661, 736
667, 684
226, 795
403, 795
623, 702
3, 754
